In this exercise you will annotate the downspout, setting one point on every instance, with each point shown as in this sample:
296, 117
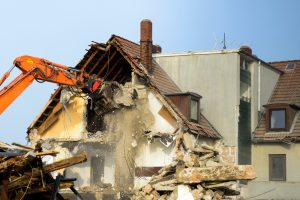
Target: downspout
258, 99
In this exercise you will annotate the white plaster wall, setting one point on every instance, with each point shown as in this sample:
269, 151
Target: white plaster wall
153, 154
83, 171
160, 125
214, 76
263, 82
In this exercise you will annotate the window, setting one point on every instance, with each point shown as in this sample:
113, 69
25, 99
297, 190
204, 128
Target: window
97, 169
194, 110
244, 64
277, 119
277, 167
290, 66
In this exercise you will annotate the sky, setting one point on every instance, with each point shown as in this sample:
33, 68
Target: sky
61, 31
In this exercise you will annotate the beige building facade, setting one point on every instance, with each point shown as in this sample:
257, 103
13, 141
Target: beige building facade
234, 84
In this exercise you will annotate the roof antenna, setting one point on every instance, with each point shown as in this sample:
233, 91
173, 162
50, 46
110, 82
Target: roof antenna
224, 41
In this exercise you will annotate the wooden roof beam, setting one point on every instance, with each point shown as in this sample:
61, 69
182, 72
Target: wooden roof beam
89, 60
107, 62
112, 68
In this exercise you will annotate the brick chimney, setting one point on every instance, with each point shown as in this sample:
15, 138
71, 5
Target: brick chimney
246, 49
146, 44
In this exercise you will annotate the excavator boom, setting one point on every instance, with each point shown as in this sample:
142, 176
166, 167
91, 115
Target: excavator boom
39, 69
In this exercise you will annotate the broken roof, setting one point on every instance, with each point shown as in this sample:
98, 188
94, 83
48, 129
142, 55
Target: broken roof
114, 61
287, 91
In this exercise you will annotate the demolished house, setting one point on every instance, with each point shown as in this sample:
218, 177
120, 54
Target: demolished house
137, 126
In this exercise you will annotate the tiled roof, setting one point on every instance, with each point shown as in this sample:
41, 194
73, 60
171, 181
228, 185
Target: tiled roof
166, 85
160, 78
287, 91
288, 86
97, 57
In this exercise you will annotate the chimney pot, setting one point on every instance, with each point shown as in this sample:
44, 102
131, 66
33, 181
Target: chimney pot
156, 48
246, 49
146, 44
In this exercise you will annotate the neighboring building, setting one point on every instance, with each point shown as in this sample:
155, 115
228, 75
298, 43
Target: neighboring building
130, 131
235, 84
276, 147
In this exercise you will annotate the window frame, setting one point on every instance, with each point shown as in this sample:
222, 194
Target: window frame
285, 119
270, 167
99, 161
190, 109
294, 65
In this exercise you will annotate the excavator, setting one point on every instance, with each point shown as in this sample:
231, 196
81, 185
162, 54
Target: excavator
42, 70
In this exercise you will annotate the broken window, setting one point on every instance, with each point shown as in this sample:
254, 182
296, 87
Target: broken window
277, 119
97, 169
94, 121
277, 167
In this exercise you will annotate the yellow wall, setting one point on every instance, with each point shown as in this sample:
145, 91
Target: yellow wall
261, 160
65, 123
261, 187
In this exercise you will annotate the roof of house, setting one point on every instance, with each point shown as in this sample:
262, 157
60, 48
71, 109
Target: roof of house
287, 91
288, 87
223, 51
115, 61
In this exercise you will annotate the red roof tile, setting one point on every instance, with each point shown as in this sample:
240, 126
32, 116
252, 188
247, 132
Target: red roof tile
287, 91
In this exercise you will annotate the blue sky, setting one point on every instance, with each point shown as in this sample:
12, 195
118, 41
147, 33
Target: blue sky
61, 31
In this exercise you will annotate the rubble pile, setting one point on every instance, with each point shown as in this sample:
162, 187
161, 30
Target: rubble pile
24, 176
196, 173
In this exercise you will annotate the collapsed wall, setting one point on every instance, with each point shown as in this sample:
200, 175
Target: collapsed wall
134, 144
130, 118
197, 172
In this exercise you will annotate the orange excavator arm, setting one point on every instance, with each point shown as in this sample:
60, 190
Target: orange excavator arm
39, 69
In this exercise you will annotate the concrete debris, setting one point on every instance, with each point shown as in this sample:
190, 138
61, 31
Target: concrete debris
110, 96
24, 176
195, 174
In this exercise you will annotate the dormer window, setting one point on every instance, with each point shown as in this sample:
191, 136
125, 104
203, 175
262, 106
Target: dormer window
188, 103
277, 119
280, 117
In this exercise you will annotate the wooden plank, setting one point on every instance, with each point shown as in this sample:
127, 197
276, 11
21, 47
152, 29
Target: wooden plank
106, 63
96, 64
4, 190
23, 146
89, 60
65, 163
117, 74
49, 187
44, 153
19, 161
218, 173
112, 68
24, 180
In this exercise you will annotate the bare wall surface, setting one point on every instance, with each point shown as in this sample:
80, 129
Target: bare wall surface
263, 82
216, 78
275, 189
